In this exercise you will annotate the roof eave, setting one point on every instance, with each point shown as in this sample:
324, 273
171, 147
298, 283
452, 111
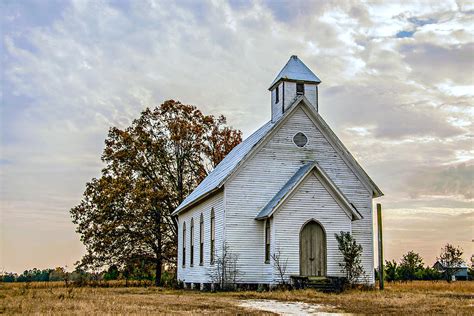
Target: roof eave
292, 80
377, 192
348, 205
197, 201
261, 218
347, 156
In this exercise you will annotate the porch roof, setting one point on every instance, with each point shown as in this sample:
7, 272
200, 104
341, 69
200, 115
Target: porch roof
297, 178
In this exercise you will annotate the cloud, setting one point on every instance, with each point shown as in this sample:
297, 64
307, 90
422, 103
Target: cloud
445, 181
422, 57
73, 69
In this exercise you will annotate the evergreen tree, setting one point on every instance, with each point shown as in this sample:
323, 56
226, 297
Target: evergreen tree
410, 264
352, 252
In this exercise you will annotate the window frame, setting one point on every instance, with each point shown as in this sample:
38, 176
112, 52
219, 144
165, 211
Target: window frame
213, 236
277, 94
295, 140
267, 240
300, 84
201, 240
183, 259
191, 250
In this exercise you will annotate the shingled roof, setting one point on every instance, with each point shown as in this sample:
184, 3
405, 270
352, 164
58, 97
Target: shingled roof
295, 70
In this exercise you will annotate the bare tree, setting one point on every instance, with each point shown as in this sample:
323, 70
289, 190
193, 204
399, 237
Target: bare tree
281, 266
225, 273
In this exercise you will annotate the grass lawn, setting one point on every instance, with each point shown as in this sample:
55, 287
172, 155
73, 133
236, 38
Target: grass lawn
420, 297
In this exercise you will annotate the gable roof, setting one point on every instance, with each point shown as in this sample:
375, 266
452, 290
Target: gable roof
346, 155
293, 183
295, 70
444, 265
231, 163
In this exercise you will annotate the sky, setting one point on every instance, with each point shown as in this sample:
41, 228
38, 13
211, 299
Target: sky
397, 88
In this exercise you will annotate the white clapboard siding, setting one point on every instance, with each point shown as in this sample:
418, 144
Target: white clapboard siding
310, 202
310, 92
290, 93
197, 273
266, 172
277, 107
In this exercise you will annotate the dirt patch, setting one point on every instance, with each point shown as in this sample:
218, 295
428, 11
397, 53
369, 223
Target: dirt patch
289, 308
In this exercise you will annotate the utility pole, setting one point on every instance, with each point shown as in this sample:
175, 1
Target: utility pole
379, 225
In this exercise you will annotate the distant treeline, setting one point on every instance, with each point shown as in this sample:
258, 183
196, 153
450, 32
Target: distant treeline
135, 272
404, 272
411, 267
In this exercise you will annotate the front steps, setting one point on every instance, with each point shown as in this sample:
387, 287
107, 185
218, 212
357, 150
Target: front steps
322, 284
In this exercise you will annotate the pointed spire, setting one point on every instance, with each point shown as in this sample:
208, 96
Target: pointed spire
295, 70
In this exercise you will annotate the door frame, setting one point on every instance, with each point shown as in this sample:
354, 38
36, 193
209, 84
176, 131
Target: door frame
325, 243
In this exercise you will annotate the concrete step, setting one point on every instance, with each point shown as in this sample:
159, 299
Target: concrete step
319, 280
324, 284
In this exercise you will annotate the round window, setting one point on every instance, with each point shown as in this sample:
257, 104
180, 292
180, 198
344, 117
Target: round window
300, 139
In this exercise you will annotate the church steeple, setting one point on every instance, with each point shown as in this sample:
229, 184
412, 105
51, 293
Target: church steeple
293, 80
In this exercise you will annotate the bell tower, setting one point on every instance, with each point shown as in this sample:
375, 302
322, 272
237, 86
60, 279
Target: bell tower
294, 79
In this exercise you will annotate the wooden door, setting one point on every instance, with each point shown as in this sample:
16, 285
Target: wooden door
312, 250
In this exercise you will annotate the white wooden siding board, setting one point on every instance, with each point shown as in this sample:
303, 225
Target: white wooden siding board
290, 94
276, 107
310, 93
266, 171
197, 273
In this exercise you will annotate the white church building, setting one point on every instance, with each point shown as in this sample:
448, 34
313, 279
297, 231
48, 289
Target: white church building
288, 188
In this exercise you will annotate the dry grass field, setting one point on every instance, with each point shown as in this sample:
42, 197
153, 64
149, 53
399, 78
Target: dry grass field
409, 298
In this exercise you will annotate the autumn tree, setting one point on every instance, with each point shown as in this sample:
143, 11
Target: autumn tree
124, 216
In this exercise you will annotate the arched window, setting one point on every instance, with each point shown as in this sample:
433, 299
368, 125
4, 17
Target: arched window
201, 240
184, 244
191, 250
267, 241
213, 233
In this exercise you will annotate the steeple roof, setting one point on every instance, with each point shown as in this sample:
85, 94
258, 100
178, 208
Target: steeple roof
295, 70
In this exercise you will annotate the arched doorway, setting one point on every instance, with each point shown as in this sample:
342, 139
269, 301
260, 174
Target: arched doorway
312, 250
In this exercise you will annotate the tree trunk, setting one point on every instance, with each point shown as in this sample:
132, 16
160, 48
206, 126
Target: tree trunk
158, 268
159, 258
